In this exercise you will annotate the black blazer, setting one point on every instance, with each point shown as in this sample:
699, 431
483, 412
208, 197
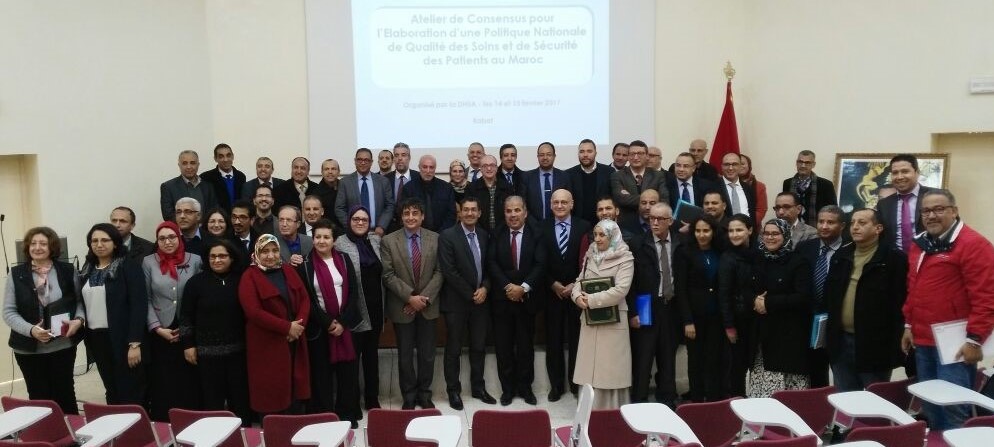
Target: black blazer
699, 185
880, 294
586, 207
391, 177
703, 171
564, 269
140, 248
809, 250
624, 180
248, 189
785, 330
518, 186
214, 178
825, 196
531, 269
319, 320
535, 187
692, 288
888, 207
737, 287
479, 190
459, 268
750, 193
439, 200
286, 194
647, 266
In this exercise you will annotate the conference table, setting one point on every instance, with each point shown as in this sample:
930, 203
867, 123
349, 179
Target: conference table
209, 431
864, 404
324, 434
104, 429
13, 421
442, 430
763, 411
655, 420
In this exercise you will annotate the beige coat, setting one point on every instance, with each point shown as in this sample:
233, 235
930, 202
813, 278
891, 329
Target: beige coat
604, 357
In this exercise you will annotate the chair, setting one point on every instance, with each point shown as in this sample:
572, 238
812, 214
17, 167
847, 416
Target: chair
144, 433
803, 441
386, 428
979, 421
278, 429
609, 429
811, 405
26, 444
910, 435
578, 433
714, 423
895, 392
531, 428
179, 419
56, 428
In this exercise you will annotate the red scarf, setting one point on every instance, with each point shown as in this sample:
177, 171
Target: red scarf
168, 262
340, 348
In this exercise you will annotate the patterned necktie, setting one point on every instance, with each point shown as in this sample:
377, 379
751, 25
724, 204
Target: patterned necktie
563, 238
821, 271
476, 257
302, 192
400, 188
685, 195
508, 176
415, 259
514, 248
665, 279
733, 196
364, 194
546, 195
638, 182
907, 234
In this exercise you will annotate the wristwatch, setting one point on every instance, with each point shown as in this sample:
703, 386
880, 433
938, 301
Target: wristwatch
134, 345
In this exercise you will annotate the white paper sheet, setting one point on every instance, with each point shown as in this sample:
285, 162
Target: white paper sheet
56, 322
949, 338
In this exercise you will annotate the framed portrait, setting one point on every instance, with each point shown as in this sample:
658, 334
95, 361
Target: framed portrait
861, 180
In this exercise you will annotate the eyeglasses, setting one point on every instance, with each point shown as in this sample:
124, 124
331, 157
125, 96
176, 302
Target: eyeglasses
772, 234
286, 221
731, 165
170, 238
659, 219
783, 207
360, 219
187, 212
805, 162
236, 218
364, 160
219, 256
937, 210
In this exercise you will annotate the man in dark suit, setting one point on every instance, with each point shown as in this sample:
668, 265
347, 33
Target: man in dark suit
377, 198
123, 218
702, 169
293, 191
542, 181
490, 192
686, 186
264, 176
412, 277
294, 246
437, 195
509, 174
399, 178
264, 219
619, 156
591, 181
462, 255
899, 212
628, 184
243, 236
820, 252
187, 184
188, 212
327, 191
815, 192
564, 241
654, 277
517, 273
739, 196
226, 179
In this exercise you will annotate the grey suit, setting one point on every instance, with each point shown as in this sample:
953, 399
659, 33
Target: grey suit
802, 232
348, 196
164, 292
462, 315
172, 190
412, 330
306, 244
623, 182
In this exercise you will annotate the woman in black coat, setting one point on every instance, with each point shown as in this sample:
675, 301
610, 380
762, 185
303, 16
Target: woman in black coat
737, 285
695, 285
783, 321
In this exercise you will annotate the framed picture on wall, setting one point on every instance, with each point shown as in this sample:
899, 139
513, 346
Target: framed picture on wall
863, 179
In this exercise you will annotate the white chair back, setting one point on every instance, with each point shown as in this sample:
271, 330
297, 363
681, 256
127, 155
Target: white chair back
580, 432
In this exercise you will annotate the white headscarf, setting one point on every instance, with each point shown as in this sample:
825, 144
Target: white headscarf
613, 232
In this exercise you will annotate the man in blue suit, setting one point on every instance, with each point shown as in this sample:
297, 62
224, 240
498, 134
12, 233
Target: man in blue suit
377, 198
541, 182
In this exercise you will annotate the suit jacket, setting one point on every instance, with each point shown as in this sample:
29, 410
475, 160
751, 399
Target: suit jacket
479, 190
439, 199
750, 193
702, 171
349, 315
248, 189
802, 232
139, 249
398, 275
647, 266
348, 196
624, 181
306, 244
825, 195
221, 190
531, 269
888, 207
518, 186
174, 189
699, 185
586, 207
459, 268
565, 268
398, 196
535, 187
287, 194
327, 194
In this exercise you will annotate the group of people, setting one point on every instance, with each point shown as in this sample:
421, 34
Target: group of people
273, 298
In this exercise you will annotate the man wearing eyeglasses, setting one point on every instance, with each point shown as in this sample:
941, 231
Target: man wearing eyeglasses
293, 245
950, 277
368, 189
629, 183
787, 207
815, 192
187, 217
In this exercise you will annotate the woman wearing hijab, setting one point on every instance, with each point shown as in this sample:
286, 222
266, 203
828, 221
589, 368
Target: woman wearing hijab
783, 315
363, 249
458, 179
173, 382
737, 285
212, 330
276, 306
604, 357
695, 281
113, 291
331, 281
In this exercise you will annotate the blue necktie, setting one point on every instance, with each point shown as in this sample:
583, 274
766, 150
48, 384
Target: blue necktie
509, 182
685, 195
547, 195
364, 194
476, 257
563, 239
229, 183
821, 272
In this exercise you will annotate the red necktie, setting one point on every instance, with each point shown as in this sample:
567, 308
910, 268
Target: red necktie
416, 259
514, 248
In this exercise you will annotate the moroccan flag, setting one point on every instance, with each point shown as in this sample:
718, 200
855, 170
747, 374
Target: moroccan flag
727, 139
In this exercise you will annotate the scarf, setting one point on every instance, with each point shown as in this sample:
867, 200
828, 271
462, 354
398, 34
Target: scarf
168, 262
785, 248
41, 282
941, 243
613, 232
340, 348
95, 277
260, 243
367, 257
807, 191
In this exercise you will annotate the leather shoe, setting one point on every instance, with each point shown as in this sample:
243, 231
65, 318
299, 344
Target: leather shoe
455, 401
408, 405
425, 402
484, 396
506, 398
555, 394
529, 398
371, 404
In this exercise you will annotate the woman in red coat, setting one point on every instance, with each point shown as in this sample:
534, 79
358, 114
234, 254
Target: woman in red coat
276, 307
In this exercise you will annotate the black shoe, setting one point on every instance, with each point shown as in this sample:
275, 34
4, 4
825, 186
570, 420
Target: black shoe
408, 405
425, 402
372, 403
455, 401
484, 396
555, 394
529, 398
506, 398
355, 424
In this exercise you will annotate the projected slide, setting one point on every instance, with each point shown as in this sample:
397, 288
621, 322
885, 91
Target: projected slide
442, 74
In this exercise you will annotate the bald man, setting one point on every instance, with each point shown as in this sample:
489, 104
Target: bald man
438, 196
702, 169
639, 223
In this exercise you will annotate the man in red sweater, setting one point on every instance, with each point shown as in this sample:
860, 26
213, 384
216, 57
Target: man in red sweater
950, 277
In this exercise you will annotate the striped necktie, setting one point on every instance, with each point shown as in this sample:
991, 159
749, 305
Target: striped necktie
821, 271
563, 238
